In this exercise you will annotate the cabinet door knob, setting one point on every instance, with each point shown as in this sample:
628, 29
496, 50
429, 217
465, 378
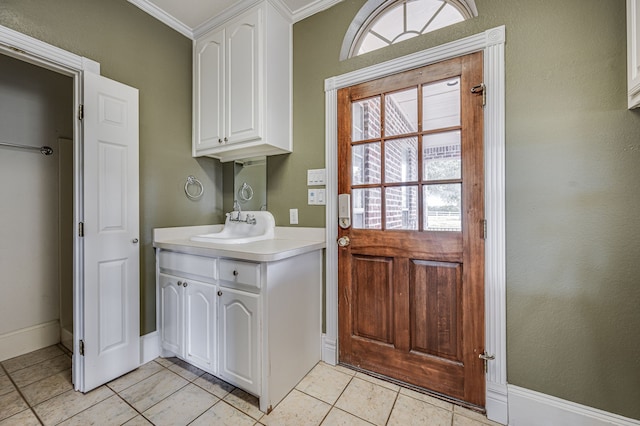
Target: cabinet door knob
235, 273
226, 139
179, 283
219, 292
219, 140
184, 284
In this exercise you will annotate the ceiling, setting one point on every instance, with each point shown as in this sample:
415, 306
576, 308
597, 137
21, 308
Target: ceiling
194, 17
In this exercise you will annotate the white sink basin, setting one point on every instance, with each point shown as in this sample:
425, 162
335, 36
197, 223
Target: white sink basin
241, 230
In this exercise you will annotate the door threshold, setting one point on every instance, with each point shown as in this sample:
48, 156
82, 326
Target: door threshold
418, 389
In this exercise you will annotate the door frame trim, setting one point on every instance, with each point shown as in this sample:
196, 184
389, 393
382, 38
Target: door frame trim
491, 42
28, 49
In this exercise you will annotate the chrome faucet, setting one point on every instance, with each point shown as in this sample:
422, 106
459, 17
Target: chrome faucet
250, 219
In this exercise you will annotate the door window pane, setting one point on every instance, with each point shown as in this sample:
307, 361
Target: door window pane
401, 160
367, 208
441, 104
401, 209
365, 163
443, 207
365, 122
401, 112
441, 156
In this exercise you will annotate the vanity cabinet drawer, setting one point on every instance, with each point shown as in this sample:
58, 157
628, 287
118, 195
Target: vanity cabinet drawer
187, 265
239, 274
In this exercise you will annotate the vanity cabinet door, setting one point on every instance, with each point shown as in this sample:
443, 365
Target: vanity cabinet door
238, 320
200, 332
171, 319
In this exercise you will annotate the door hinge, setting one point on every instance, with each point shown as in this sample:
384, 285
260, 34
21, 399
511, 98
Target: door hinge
80, 112
80, 229
484, 229
81, 347
481, 88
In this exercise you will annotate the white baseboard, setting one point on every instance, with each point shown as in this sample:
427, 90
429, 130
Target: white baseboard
497, 403
329, 350
149, 347
527, 407
66, 338
29, 339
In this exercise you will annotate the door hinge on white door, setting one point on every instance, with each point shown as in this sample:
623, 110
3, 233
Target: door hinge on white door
80, 229
81, 347
80, 112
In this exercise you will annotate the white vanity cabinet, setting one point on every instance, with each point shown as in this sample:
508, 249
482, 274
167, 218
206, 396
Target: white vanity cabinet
254, 324
633, 52
188, 308
242, 87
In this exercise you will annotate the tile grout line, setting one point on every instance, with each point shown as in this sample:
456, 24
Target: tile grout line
21, 396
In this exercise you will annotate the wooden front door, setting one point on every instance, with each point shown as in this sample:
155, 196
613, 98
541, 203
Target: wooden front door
411, 274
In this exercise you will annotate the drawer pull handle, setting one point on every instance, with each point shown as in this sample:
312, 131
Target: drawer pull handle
235, 273
219, 293
184, 284
179, 283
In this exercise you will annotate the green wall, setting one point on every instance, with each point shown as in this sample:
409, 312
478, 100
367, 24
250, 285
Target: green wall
572, 167
572, 152
136, 49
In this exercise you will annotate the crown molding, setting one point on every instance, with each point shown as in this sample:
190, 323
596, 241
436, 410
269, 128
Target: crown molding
313, 8
229, 13
163, 17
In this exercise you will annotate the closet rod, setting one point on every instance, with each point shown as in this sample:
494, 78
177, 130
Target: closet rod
45, 150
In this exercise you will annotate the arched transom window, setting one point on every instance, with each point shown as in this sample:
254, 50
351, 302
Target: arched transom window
381, 23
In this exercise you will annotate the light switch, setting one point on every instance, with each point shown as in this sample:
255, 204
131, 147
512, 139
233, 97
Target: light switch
316, 177
293, 216
312, 196
321, 194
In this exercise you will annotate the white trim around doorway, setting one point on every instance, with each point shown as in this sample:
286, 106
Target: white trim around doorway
491, 42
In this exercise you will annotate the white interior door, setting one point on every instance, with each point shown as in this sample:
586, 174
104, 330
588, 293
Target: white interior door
110, 300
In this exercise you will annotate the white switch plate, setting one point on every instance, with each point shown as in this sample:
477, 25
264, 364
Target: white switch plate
316, 196
293, 216
316, 177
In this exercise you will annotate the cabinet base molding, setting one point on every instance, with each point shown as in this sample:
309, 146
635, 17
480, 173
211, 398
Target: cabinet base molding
527, 407
29, 339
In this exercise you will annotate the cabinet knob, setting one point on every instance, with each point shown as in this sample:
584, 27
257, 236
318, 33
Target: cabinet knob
184, 284
219, 140
219, 292
179, 283
226, 139
235, 273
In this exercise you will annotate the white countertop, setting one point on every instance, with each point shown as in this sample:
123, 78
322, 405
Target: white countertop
288, 242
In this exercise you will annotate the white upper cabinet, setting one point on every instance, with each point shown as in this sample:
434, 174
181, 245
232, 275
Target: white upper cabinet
633, 52
242, 87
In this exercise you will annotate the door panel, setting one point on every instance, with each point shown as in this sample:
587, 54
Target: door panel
373, 298
435, 289
111, 300
410, 282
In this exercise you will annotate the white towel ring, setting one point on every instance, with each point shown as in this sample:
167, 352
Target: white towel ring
192, 180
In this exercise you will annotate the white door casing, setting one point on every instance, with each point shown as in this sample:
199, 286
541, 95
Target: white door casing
111, 298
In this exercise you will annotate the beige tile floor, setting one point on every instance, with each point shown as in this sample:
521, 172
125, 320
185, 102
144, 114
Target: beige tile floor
36, 389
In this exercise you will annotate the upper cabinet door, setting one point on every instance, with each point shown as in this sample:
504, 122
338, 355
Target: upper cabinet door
633, 52
243, 78
209, 93
242, 87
